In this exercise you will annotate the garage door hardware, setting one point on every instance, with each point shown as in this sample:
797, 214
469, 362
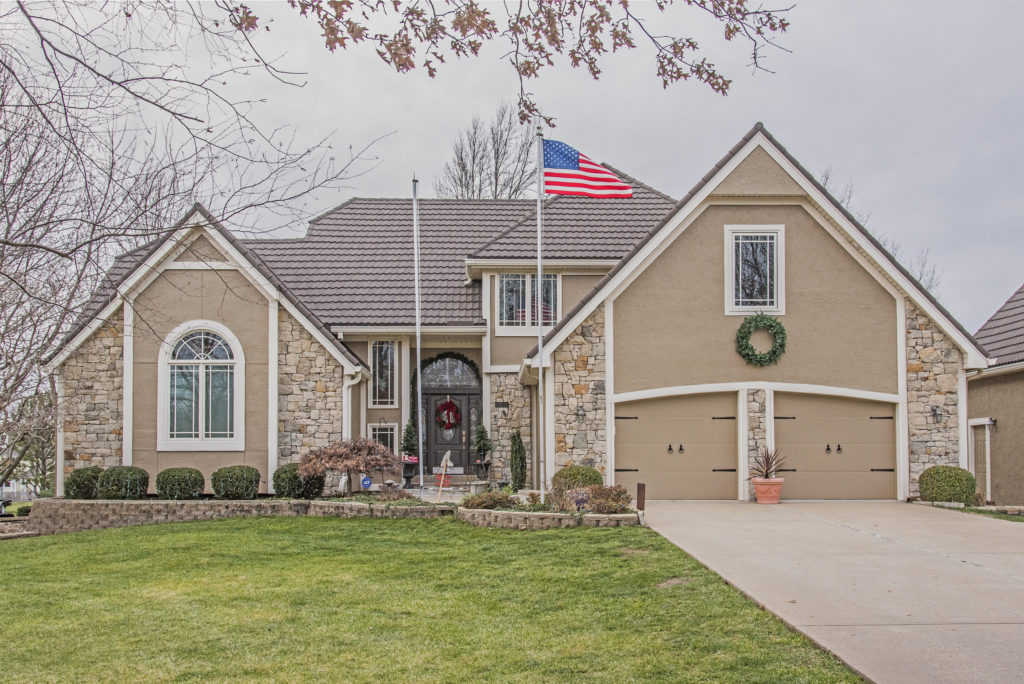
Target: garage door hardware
627, 470
723, 470
627, 417
723, 417
785, 417
785, 470
828, 448
883, 470
881, 417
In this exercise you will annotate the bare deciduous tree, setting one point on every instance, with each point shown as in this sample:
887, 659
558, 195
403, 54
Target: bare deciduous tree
533, 35
114, 118
490, 161
920, 265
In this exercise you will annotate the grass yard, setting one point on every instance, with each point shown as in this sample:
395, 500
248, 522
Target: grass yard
994, 514
299, 599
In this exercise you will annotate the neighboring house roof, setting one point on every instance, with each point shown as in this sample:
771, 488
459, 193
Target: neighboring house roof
588, 303
582, 227
130, 262
1003, 333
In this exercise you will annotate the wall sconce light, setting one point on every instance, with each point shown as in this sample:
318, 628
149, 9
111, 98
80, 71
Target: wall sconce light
936, 414
670, 448
580, 414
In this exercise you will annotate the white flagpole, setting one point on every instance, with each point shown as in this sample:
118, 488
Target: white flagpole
539, 313
419, 345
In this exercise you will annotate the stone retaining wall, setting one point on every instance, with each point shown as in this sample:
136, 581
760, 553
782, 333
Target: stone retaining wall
526, 520
54, 516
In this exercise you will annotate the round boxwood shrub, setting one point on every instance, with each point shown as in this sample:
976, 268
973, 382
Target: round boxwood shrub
24, 511
576, 476
236, 482
948, 483
82, 482
179, 483
122, 482
290, 485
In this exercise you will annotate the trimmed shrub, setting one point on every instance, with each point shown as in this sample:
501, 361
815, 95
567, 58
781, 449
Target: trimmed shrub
576, 476
948, 483
122, 482
517, 462
82, 483
288, 483
489, 500
24, 511
593, 499
179, 483
236, 482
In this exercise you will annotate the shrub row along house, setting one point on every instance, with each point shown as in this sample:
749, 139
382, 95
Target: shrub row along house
203, 349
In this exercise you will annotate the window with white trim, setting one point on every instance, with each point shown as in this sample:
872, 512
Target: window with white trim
386, 434
755, 279
516, 304
382, 363
201, 390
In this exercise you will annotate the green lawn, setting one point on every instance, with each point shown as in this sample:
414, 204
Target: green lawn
299, 599
994, 514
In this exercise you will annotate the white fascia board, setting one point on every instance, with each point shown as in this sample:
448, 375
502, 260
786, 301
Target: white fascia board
385, 331
996, 370
476, 267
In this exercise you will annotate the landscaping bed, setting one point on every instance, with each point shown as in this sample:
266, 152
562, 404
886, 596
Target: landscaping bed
364, 599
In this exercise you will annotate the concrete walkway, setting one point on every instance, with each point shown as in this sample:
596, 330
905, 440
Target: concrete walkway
901, 592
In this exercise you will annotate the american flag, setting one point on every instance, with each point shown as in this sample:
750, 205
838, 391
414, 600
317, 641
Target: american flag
567, 172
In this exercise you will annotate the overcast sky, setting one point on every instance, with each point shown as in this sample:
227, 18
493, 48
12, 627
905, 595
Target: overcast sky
920, 105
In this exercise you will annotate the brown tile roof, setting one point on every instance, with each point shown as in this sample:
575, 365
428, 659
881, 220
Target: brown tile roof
581, 227
1003, 334
758, 128
355, 264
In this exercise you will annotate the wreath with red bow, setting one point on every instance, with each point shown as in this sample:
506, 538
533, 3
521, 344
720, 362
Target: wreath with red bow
447, 415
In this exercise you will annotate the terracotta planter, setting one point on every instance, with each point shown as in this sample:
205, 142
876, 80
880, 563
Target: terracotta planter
768, 489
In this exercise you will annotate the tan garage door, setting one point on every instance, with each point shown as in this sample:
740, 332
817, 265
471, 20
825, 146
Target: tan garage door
836, 448
700, 429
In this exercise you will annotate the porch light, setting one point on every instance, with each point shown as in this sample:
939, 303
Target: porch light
936, 414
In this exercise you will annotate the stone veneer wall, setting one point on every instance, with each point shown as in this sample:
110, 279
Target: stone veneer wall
757, 427
91, 398
310, 392
933, 367
579, 365
505, 420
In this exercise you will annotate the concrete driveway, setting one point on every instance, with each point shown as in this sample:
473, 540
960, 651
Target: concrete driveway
901, 592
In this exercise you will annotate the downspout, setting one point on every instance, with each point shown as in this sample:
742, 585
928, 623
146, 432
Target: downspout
346, 404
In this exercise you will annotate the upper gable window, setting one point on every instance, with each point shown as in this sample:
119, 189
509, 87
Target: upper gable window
517, 310
755, 269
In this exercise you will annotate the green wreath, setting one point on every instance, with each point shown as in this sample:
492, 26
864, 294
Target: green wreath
770, 325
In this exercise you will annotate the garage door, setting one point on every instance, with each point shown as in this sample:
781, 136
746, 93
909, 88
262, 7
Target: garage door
836, 448
680, 447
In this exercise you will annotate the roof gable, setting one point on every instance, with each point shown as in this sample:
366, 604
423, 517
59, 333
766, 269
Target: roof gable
758, 138
758, 174
136, 267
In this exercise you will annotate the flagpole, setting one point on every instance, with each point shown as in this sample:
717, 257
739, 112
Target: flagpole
419, 346
539, 312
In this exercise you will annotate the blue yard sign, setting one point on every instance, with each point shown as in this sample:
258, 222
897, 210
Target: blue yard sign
366, 482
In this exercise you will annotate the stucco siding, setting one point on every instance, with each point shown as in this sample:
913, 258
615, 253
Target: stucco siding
671, 328
1001, 398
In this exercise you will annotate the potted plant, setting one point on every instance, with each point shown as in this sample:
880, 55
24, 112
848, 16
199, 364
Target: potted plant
410, 453
482, 446
767, 487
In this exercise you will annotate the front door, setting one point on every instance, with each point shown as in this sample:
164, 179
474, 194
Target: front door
458, 437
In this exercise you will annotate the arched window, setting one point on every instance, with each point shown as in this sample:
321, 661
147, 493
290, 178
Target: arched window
449, 372
201, 390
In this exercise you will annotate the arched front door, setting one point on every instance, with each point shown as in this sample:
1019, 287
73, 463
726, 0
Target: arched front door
452, 408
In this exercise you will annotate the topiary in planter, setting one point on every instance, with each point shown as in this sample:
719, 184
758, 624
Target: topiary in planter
948, 483
236, 482
179, 483
81, 483
288, 483
517, 462
122, 482
575, 476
